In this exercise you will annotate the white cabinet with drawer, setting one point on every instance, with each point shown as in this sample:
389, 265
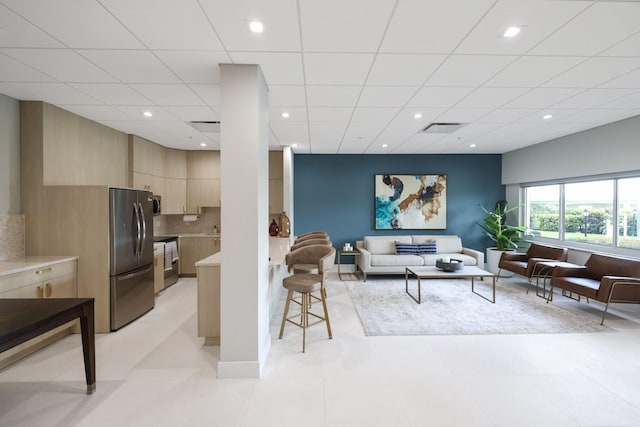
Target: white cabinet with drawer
38, 277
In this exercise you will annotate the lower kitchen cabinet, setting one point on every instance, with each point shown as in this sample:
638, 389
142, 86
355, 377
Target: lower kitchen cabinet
38, 277
193, 249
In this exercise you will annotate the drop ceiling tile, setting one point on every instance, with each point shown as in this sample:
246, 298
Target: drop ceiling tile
557, 113
627, 47
77, 24
407, 115
542, 97
463, 115
96, 112
593, 98
336, 68
354, 146
54, 93
326, 136
14, 71
278, 68
403, 69
532, 71
386, 96
231, 21
594, 72
418, 142
506, 115
168, 94
192, 113
631, 101
135, 113
133, 127
615, 22
209, 94
131, 66
396, 133
596, 116
439, 96
366, 114
420, 26
332, 96
357, 132
287, 96
330, 114
17, 32
355, 26
62, 64
296, 114
112, 93
165, 24
194, 66
469, 70
537, 18
491, 97
629, 80
14, 92
291, 132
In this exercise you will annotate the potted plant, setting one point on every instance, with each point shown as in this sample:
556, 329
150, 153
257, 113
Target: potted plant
496, 228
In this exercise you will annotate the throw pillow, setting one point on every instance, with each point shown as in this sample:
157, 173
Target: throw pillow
428, 247
406, 248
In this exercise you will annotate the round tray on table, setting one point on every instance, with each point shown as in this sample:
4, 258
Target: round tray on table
452, 265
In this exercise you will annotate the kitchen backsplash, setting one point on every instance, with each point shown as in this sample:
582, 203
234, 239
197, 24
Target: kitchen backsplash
175, 224
11, 236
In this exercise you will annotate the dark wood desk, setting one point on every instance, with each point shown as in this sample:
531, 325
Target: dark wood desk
23, 319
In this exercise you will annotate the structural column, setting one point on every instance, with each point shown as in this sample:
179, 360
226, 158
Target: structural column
244, 259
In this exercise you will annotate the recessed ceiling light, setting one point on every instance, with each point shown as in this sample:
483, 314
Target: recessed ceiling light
256, 26
547, 116
511, 32
472, 145
203, 144
384, 145
148, 114
285, 115
417, 116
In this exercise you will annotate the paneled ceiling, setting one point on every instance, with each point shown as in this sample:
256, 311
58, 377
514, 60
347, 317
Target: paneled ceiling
351, 74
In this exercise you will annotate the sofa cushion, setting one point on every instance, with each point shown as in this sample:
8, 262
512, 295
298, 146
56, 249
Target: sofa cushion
395, 260
428, 247
430, 259
384, 245
415, 248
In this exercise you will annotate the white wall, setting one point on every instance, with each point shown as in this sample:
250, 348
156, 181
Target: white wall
9, 156
606, 149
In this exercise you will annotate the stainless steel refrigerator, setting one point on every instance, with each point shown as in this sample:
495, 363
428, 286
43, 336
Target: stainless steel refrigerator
131, 254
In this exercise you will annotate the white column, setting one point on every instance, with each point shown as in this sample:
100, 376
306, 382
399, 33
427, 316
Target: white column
244, 259
287, 185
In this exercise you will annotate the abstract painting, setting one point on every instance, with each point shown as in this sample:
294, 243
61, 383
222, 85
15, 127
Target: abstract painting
411, 202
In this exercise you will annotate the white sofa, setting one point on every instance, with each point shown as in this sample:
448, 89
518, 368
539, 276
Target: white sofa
378, 253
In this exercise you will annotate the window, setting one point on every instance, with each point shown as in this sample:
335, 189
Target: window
628, 210
543, 211
601, 212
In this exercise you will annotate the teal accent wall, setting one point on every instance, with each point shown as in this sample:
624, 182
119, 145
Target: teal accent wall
335, 193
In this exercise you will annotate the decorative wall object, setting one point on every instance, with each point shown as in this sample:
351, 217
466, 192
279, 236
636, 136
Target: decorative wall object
410, 202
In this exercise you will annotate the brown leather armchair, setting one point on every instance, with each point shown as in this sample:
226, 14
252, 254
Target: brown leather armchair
524, 263
602, 278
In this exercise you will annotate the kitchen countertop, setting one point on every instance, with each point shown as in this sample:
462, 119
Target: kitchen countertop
25, 263
188, 235
278, 249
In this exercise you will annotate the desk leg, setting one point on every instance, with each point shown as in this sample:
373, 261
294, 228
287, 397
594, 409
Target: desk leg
473, 289
87, 327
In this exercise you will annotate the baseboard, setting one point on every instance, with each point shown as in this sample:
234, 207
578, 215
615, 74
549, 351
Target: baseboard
245, 368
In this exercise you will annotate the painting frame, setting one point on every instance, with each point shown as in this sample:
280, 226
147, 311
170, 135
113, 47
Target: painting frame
410, 201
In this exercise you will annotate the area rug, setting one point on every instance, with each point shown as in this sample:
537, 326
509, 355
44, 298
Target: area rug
450, 308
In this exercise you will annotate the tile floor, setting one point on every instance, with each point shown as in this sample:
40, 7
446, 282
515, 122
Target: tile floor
155, 372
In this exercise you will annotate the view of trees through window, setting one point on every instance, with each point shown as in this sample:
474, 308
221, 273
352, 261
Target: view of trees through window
601, 212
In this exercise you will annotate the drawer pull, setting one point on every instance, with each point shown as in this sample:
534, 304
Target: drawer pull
40, 291
44, 270
47, 288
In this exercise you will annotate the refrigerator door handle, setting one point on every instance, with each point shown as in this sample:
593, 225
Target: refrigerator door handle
136, 274
143, 222
138, 231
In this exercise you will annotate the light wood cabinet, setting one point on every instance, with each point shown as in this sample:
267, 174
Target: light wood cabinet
193, 249
174, 199
203, 180
158, 267
276, 204
57, 280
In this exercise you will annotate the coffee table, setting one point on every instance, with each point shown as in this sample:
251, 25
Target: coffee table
468, 271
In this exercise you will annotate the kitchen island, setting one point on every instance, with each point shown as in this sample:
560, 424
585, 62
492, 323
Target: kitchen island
208, 273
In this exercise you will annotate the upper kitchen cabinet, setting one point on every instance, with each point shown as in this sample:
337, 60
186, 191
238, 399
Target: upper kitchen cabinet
275, 182
174, 199
203, 180
147, 165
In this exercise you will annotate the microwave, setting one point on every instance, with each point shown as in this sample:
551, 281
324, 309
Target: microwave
157, 205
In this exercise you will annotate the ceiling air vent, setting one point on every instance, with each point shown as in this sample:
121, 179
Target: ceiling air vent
206, 127
443, 127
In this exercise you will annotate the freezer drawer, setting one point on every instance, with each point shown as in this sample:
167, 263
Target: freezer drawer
132, 296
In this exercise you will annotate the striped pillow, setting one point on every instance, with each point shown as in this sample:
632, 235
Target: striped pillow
428, 247
407, 248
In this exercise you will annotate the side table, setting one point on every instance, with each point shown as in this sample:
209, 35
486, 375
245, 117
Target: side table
543, 270
355, 253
